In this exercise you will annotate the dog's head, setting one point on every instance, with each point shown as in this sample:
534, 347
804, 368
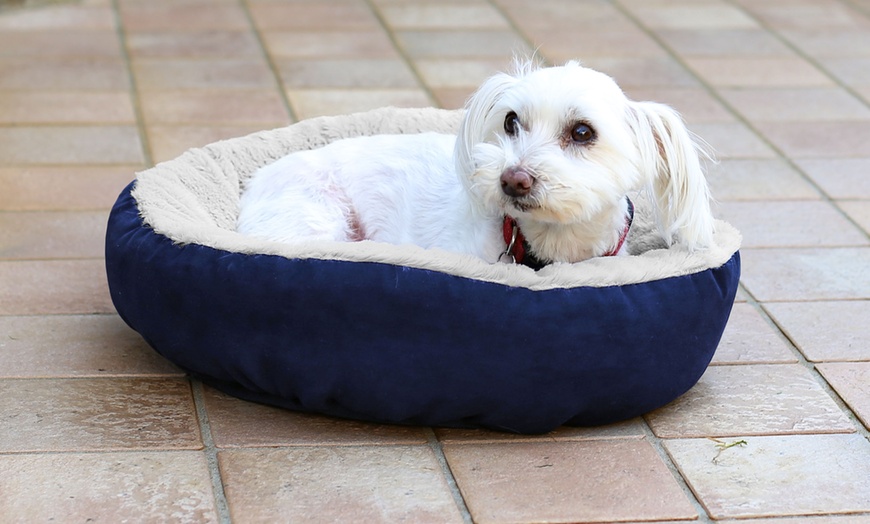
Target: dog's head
563, 145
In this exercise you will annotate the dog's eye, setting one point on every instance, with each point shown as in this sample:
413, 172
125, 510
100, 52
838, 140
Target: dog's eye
582, 134
511, 124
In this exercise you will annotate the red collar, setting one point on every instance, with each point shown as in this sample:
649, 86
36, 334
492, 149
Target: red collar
629, 218
517, 249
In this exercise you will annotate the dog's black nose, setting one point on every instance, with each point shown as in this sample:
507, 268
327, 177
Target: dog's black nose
516, 182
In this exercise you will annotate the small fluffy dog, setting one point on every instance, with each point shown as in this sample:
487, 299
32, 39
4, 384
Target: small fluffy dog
539, 171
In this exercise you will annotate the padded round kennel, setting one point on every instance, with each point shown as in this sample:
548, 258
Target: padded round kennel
400, 334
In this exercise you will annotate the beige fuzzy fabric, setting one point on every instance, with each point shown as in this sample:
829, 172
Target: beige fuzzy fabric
194, 199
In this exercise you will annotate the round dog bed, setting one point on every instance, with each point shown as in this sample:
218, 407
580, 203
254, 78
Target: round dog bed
400, 334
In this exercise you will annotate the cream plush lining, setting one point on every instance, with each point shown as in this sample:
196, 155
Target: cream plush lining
194, 199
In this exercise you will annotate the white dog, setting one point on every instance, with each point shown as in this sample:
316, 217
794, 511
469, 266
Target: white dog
541, 168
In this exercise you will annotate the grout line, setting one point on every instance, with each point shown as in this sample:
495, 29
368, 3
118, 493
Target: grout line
863, 9
145, 142
713, 92
210, 450
802, 54
270, 61
814, 371
658, 445
437, 448
859, 427
830, 76
801, 358
409, 61
536, 55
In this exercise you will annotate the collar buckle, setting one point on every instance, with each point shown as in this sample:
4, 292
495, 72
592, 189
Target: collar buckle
508, 257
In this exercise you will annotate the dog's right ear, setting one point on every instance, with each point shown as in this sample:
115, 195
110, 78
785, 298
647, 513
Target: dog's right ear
476, 122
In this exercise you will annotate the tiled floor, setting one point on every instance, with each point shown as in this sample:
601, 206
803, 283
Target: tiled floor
96, 426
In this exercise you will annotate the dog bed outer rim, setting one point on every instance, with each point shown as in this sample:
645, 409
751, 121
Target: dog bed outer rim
392, 344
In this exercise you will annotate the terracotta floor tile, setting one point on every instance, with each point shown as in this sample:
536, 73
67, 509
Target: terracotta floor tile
829, 139
852, 382
76, 346
562, 16
97, 414
710, 16
839, 177
168, 142
805, 223
459, 73
732, 140
643, 72
330, 44
211, 44
463, 43
437, 15
758, 180
751, 400
826, 330
62, 188
750, 339
695, 105
236, 423
758, 72
796, 105
563, 46
311, 15
731, 43
830, 42
863, 92
42, 107
345, 73
52, 234
851, 71
631, 429
60, 43
452, 98
807, 15
777, 475
229, 73
308, 103
566, 482
807, 274
76, 383
110, 487
859, 211
213, 107
63, 73
58, 17
337, 484
51, 287
70, 145
164, 17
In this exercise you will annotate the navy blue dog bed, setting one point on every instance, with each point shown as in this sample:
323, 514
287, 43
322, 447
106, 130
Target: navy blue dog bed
398, 334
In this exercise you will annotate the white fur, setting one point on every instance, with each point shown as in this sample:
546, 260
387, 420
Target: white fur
444, 191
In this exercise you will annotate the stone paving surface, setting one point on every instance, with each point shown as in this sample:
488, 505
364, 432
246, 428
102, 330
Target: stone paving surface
95, 426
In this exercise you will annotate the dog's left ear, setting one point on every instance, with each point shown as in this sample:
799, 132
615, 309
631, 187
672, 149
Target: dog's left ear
669, 159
